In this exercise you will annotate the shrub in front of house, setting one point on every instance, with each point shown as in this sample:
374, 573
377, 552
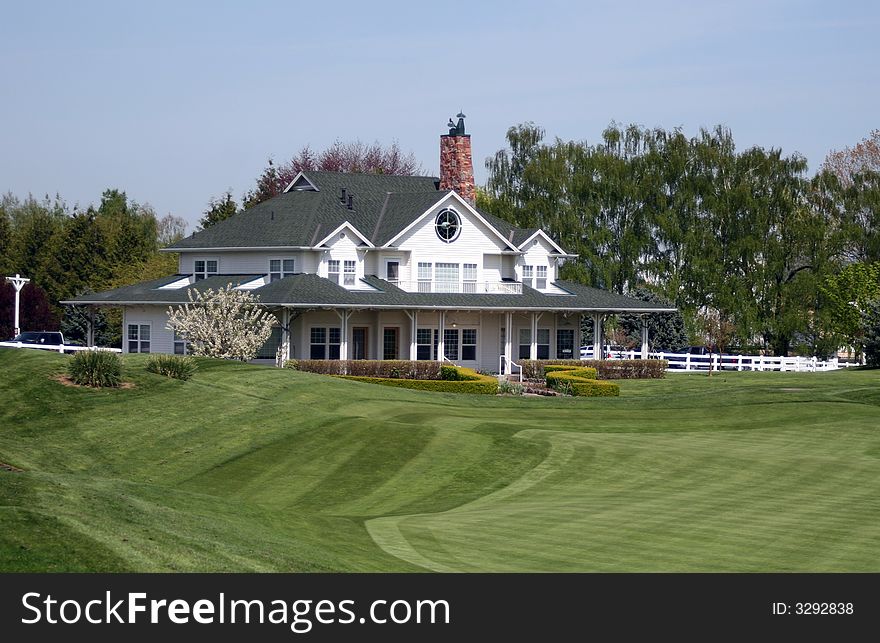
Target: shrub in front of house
580, 381
180, 367
395, 369
606, 369
100, 369
451, 373
468, 381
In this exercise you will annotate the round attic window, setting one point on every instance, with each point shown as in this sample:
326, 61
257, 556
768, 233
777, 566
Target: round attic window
448, 225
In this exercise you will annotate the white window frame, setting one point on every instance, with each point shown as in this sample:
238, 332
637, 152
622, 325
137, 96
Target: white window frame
326, 343
469, 277
282, 272
349, 277
204, 273
399, 262
527, 344
539, 343
139, 340
541, 277
181, 343
528, 276
449, 344
475, 344
334, 275
431, 333
444, 269
425, 275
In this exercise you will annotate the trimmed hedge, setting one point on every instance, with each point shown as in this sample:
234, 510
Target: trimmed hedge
577, 381
583, 371
392, 369
469, 382
606, 369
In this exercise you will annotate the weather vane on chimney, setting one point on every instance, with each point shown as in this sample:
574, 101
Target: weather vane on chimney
456, 129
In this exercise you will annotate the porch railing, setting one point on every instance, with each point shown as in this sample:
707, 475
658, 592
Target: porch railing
466, 287
502, 372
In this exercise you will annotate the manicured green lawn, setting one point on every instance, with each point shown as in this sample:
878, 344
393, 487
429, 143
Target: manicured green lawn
251, 468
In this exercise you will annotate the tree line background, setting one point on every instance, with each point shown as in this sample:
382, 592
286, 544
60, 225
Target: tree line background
756, 252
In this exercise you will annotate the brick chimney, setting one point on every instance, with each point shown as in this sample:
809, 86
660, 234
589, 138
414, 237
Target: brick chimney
456, 161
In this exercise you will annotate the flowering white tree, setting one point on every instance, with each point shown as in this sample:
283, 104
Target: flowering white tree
225, 323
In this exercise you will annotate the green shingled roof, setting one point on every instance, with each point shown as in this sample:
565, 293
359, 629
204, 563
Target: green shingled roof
383, 205
149, 292
312, 291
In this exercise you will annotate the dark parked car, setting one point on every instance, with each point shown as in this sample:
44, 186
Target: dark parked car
51, 338
46, 339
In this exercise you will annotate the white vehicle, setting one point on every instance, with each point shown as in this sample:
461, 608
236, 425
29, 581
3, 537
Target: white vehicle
610, 351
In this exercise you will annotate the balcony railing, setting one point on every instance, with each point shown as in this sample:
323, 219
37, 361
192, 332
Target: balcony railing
467, 287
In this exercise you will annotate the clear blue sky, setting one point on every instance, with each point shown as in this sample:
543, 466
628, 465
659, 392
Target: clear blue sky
175, 102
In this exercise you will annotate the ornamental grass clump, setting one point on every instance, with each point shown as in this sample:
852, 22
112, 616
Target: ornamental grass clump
179, 367
99, 369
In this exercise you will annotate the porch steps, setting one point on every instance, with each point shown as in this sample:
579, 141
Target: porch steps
531, 387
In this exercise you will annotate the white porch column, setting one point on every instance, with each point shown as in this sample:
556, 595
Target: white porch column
441, 348
285, 334
533, 349
644, 338
380, 339
508, 340
414, 328
598, 353
344, 315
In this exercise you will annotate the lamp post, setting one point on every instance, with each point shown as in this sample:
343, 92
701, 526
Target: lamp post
18, 282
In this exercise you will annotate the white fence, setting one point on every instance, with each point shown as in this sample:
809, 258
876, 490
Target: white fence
61, 348
685, 362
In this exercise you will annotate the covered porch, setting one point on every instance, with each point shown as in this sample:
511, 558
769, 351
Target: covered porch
486, 340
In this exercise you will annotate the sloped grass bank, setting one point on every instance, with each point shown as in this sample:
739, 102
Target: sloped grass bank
252, 468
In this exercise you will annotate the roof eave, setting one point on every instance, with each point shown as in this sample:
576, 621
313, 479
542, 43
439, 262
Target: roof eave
236, 248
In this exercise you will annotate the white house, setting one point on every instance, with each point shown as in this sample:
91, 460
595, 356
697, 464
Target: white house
366, 266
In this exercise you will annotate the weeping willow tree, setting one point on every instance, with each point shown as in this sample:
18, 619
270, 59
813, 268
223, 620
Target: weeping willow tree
748, 233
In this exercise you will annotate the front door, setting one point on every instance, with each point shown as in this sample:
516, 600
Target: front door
390, 344
359, 336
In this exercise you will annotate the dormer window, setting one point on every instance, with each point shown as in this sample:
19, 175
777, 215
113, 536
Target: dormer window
333, 270
535, 277
204, 268
280, 268
541, 277
349, 274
